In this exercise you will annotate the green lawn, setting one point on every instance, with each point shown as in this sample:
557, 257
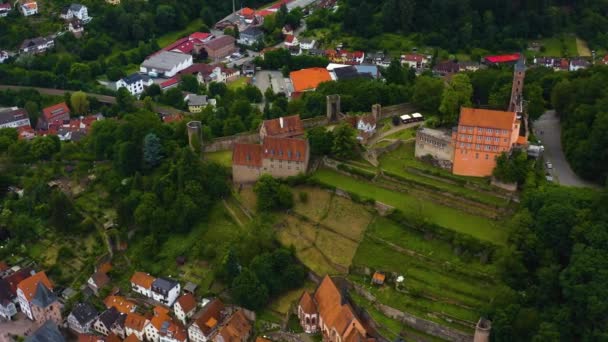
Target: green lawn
238, 83
170, 37
223, 158
478, 227
405, 134
559, 46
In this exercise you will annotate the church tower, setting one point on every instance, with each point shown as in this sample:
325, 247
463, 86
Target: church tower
517, 90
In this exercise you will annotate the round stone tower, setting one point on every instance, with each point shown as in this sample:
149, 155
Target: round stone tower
195, 135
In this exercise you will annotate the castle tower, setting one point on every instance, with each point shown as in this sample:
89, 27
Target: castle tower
195, 135
482, 330
376, 111
517, 90
333, 108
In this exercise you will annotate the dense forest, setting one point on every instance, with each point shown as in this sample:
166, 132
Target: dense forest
461, 24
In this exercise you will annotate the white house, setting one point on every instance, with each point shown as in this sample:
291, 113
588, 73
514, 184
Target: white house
291, 40
82, 317
162, 329
135, 324
184, 307
26, 290
37, 45
307, 44
366, 126
7, 300
142, 283
165, 64
28, 8
135, 83
75, 11
206, 322
14, 118
165, 291
578, 64
415, 60
5, 9
106, 320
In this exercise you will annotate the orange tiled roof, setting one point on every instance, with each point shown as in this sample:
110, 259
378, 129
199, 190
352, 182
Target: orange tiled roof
142, 279
486, 118
247, 12
187, 302
120, 303
50, 113
331, 309
113, 338
261, 339
135, 321
131, 338
288, 124
29, 285
160, 311
158, 320
211, 315
88, 338
247, 154
309, 79
290, 149
379, 277
3, 266
307, 304
237, 327
522, 140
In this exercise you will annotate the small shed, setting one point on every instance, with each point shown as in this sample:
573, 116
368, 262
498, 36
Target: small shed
190, 287
378, 278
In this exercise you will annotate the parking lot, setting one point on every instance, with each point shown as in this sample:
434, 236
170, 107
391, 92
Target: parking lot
264, 79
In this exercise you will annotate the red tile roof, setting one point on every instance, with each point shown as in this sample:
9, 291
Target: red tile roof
200, 35
285, 125
52, 112
29, 285
247, 12
212, 314
16, 278
220, 42
247, 154
187, 302
237, 328
285, 149
135, 321
142, 279
503, 58
120, 303
307, 304
309, 79
170, 82
486, 118
289, 38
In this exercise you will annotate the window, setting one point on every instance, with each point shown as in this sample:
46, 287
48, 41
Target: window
477, 146
488, 138
505, 140
480, 130
476, 155
489, 130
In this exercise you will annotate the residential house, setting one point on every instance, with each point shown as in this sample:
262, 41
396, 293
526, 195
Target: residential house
446, 68
5, 9
8, 299
578, 64
170, 83
247, 14
45, 305
465, 66
135, 83
105, 321
307, 44
3, 55
278, 157
142, 283
379, 58
481, 136
378, 278
14, 118
205, 322
207, 73
220, 47
283, 127
248, 69
162, 329
74, 129
250, 36
546, 62
416, 61
82, 317
27, 289
121, 304
326, 312
37, 45
76, 27
165, 64
308, 79
77, 11
193, 44
294, 50
118, 328
165, 290
366, 127
184, 307
196, 103
28, 8
287, 30
135, 325
291, 40
55, 114
348, 72
236, 329
97, 281
48, 332
131, 338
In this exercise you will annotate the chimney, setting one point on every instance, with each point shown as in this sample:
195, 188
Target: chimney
281, 121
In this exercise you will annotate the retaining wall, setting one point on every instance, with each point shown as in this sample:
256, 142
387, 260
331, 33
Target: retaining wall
226, 143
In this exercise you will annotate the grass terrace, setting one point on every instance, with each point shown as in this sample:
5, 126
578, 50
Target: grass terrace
223, 158
170, 37
240, 82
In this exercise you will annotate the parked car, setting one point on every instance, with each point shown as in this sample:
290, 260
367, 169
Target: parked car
549, 165
549, 177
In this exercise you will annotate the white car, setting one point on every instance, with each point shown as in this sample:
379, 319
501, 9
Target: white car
549, 178
549, 165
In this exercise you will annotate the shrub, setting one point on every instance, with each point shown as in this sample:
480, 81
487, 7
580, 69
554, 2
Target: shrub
303, 196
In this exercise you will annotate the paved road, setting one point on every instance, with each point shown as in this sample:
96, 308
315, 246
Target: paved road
263, 82
547, 129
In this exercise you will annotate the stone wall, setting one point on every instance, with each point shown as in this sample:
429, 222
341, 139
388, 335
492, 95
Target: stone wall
506, 186
226, 143
314, 122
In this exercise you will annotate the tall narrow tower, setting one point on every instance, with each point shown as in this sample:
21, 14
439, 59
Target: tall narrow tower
517, 90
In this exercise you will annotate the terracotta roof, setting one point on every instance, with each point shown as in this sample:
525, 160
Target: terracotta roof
187, 302
89, 338
100, 279
169, 82
142, 279
29, 285
3, 266
236, 329
476, 117
379, 277
211, 315
247, 12
200, 35
16, 278
131, 338
120, 303
309, 79
161, 311
135, 321
334, 313
112, 337
289, 38
285, 149
50, 113
247, 154
368, 119
220, 42
289, 124
521, 140
307, 304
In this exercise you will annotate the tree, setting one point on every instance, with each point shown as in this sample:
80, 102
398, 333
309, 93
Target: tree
127, 160
272, 195
230, 267
45, 147
173, 97
153, 150
345, 145
536, 104
511, 168
395, 73
79, 103
428, 93
189, 83
320, 140
125, 100
248, 291
457, 94
33, 111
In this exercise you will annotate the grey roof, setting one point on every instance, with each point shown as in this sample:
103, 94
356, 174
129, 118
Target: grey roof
12, 115
84, 313
164, 284
350, 72
520, 66
35, 42
109, 316
190, 287
165, 60
220, 42
76, 7
134, 78
43, 296
48, 332
252, 32
197, 100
